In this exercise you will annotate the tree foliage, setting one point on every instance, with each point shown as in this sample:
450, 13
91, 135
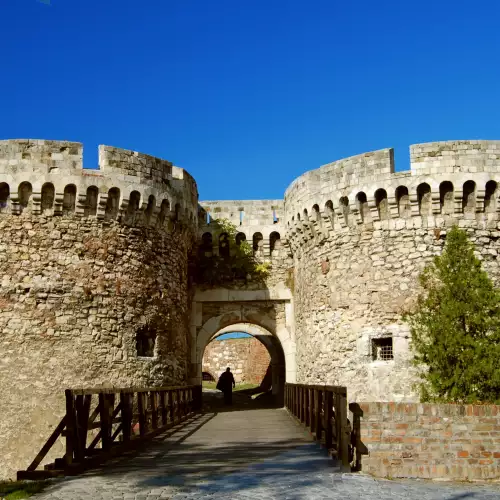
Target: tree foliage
456, 327
239, 263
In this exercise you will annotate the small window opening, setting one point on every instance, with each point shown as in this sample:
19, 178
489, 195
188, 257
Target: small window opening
258, 243
145, 341
242, 214
69, 199
382, 349
164, 211
240, 237
208, 218
275, 218
4, 196
112, 204
224, 245
48, 195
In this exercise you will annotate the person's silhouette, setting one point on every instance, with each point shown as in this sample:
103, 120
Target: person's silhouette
225, 384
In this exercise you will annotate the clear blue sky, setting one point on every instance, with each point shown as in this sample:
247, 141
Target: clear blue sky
248, 94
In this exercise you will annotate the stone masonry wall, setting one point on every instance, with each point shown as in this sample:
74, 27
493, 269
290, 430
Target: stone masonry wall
456, 442
247, 357
360, 235
94, 289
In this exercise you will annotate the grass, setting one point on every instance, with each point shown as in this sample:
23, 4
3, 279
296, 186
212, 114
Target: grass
239, 387
17, 490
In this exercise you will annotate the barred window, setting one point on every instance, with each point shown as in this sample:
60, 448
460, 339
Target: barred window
382, 349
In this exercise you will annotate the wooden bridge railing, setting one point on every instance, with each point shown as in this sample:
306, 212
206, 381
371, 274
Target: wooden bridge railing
100, 423
323, 409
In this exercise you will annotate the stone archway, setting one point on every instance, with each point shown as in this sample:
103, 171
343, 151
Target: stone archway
267, 320
270, 341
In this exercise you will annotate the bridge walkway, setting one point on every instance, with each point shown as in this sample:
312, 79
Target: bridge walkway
239, 453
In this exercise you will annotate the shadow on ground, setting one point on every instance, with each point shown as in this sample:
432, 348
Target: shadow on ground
242, 452
247, 399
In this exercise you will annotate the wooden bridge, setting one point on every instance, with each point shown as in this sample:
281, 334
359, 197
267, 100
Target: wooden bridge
100, 425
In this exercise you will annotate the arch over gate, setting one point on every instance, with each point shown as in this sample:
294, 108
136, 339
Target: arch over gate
277, 341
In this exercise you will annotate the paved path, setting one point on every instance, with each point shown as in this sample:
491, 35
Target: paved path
252, 454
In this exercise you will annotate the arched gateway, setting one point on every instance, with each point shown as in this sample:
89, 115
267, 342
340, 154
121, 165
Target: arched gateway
264, 314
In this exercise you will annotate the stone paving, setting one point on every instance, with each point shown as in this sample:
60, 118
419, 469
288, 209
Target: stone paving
258, 454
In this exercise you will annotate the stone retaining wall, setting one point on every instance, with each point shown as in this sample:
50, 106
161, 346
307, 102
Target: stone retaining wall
456, 442
247, 357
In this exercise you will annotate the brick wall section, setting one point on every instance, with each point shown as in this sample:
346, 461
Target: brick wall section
456, 442
247, 357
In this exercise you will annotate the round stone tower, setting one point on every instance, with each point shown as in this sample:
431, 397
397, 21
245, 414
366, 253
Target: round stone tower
94, 280
360, 235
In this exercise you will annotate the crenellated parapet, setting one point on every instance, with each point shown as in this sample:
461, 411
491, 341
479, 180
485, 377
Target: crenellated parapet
447, 182
257, 221
47, 178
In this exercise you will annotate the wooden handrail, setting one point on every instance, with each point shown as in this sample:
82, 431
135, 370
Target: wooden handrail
323, 410
122, 417
118, 390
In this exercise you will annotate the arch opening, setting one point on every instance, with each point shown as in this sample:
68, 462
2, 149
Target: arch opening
403, 201
69, 199
490, 197
4, 196
424, 199
91, 201
446, 197
274, 241
382, 204
273, 375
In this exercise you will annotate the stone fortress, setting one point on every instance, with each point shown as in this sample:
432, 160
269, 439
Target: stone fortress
98, 265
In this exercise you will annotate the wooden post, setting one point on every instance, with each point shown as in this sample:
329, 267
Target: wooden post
163, 403
70, 426
344, 432
311, 409
142, 414
296, 400
306, 407
154, 409
105, 417
126, 415
82, 407
177, 405
318, 426
328, 419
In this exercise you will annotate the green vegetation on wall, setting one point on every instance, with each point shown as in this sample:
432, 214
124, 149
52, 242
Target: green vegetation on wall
235, 261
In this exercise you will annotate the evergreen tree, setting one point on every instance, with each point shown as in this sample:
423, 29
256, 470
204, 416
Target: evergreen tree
456, 327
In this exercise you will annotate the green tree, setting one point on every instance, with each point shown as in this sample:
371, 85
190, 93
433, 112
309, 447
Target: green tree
456, 327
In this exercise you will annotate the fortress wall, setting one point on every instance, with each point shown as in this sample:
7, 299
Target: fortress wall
356, 267
247, 357
133, 164
92, 295
253, 212
336, 177
455, 157
39, 156
261, 226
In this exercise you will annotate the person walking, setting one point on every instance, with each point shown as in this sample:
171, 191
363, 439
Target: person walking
225, 384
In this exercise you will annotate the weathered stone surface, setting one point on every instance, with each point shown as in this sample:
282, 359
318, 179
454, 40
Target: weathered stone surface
91, 258
78, 287
376, 230
248, 359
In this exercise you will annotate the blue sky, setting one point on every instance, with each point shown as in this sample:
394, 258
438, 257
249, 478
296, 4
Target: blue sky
247, 95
